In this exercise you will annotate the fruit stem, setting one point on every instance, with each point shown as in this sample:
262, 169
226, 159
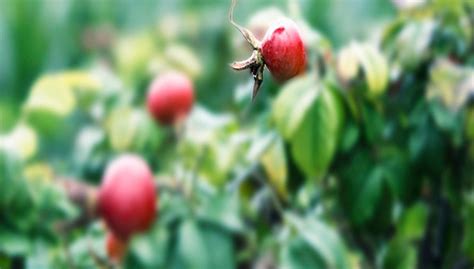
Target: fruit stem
249, 36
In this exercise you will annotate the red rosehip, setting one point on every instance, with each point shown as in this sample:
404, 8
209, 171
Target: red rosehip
116, 248
127, 196
283, 50
170, 97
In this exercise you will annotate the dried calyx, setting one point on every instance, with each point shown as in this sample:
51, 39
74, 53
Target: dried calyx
255, 62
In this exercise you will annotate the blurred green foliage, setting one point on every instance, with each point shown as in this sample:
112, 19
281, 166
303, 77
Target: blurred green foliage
366, 161
47, 36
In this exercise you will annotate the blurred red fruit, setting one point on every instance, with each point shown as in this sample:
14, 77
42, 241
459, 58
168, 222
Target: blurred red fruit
127, 196
170, 97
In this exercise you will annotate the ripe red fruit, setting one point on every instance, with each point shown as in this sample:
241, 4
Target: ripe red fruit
115, 247
283, 50
127, 196
170, 97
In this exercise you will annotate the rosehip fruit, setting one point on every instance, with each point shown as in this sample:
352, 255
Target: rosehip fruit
170, 97
283, 50
115, 247
127, 196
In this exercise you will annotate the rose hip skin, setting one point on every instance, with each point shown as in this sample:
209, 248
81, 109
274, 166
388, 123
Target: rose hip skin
115, 247
170, 97
283, 50
127, 196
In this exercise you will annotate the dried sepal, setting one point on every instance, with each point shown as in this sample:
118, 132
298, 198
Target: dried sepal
255, 62
257, 73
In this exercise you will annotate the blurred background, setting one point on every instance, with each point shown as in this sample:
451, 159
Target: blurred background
365, 161
46, 36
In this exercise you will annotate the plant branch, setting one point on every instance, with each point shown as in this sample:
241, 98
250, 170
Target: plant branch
249, 36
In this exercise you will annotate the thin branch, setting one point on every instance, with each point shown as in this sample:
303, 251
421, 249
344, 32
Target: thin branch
249, 36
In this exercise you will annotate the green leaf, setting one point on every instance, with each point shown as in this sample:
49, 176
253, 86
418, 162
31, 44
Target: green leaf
191, 251
132, 55
274, 163
293, 102
88, 140
362, 184
375, 67
347, 64
220, 247
85, 86
51, 94
413, 222
399, 255
260, 144
397, 171
80, 252
201, 247
324, 241
468, 241
150, 249
469, 124
374, 123
314, 143
49, 102
183, 58
52, 201
212, 138
350, 135
298, 254
22, 140
131, 129
412, 41
15, 196
39, 258
121, 128
13, 243
368, 196
222, 209
452, 85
